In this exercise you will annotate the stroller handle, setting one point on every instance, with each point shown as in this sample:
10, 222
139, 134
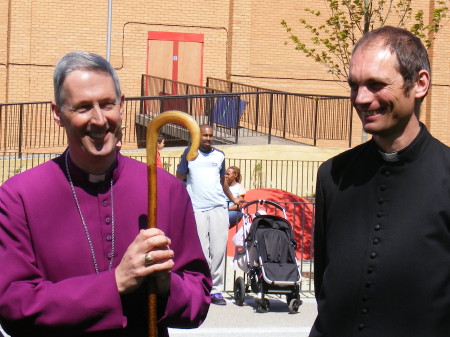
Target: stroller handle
264, 202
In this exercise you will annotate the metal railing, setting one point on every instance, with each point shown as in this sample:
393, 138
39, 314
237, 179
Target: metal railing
139, 111
29, 126
254, 114
301, 118
294, 176
297, 117
158, 86
230, 86
292, 116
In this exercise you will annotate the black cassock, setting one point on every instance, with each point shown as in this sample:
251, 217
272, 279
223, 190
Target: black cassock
382, 242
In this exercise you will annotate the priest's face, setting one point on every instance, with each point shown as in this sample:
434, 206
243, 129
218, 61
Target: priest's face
92, 117
377, 92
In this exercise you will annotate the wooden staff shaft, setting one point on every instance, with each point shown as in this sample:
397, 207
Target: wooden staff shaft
153, 127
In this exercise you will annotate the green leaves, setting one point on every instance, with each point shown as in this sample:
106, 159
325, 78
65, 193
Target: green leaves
333, 35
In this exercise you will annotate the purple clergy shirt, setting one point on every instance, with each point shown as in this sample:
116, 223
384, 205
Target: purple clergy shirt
48, 286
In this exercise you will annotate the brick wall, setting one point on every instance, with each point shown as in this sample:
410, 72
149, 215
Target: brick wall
244, 42
3, 48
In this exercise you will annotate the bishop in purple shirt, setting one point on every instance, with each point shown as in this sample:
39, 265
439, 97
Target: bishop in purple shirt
74, 246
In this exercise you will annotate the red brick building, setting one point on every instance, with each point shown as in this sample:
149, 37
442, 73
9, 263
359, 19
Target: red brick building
235, 40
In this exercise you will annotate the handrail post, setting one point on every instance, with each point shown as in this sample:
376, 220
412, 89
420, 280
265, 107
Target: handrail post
257, 110
238, 113
162, 94
270, 117
1, 119
315, 121
284, 115
188, 102
141, 106
20, 130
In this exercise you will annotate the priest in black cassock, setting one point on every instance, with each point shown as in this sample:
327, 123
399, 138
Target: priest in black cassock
382, 232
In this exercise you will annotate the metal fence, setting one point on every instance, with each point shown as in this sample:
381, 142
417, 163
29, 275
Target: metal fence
297, 117
29, 126
294, 176
158, 86
205, 109
253, 114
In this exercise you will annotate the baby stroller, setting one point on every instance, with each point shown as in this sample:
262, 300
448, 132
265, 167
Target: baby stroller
265, 251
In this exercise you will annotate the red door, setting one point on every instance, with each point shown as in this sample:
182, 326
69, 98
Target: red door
175, 56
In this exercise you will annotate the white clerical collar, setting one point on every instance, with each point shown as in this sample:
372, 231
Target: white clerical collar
389, 156
96, 178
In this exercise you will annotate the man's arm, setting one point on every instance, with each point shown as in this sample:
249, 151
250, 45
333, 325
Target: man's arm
181, 176
183, 168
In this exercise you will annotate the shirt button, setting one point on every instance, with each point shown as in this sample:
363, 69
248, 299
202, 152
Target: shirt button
360, 327
377, 227
369, 271
109, 238
383, 187
387, 173
105, 203
108, 220
373, 255
364, 311
365, 298
110, 256
379, 214
376, 241
380, 201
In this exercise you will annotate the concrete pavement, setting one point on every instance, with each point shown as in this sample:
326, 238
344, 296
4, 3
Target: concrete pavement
232, 320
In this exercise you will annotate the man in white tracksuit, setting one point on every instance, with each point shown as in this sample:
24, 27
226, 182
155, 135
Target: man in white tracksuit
207, 187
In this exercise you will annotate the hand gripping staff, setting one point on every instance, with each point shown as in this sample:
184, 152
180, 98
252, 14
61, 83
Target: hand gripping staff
153, 127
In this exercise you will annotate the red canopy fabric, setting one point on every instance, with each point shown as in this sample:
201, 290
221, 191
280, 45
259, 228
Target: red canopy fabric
299, 212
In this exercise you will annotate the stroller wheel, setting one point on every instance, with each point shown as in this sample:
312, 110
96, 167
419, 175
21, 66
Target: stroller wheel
263, 305
294, 304
239, 291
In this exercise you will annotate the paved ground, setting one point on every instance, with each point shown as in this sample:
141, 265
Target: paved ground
232, 320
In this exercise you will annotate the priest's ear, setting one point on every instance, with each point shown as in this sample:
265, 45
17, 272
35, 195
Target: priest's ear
422, 84
57, 115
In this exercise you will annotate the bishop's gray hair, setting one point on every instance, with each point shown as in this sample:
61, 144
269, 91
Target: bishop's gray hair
80, 60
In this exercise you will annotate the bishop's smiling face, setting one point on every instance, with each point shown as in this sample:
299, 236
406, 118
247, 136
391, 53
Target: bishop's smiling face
377, 92
92, 116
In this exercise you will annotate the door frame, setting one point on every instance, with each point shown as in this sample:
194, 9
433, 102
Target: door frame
176, 38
